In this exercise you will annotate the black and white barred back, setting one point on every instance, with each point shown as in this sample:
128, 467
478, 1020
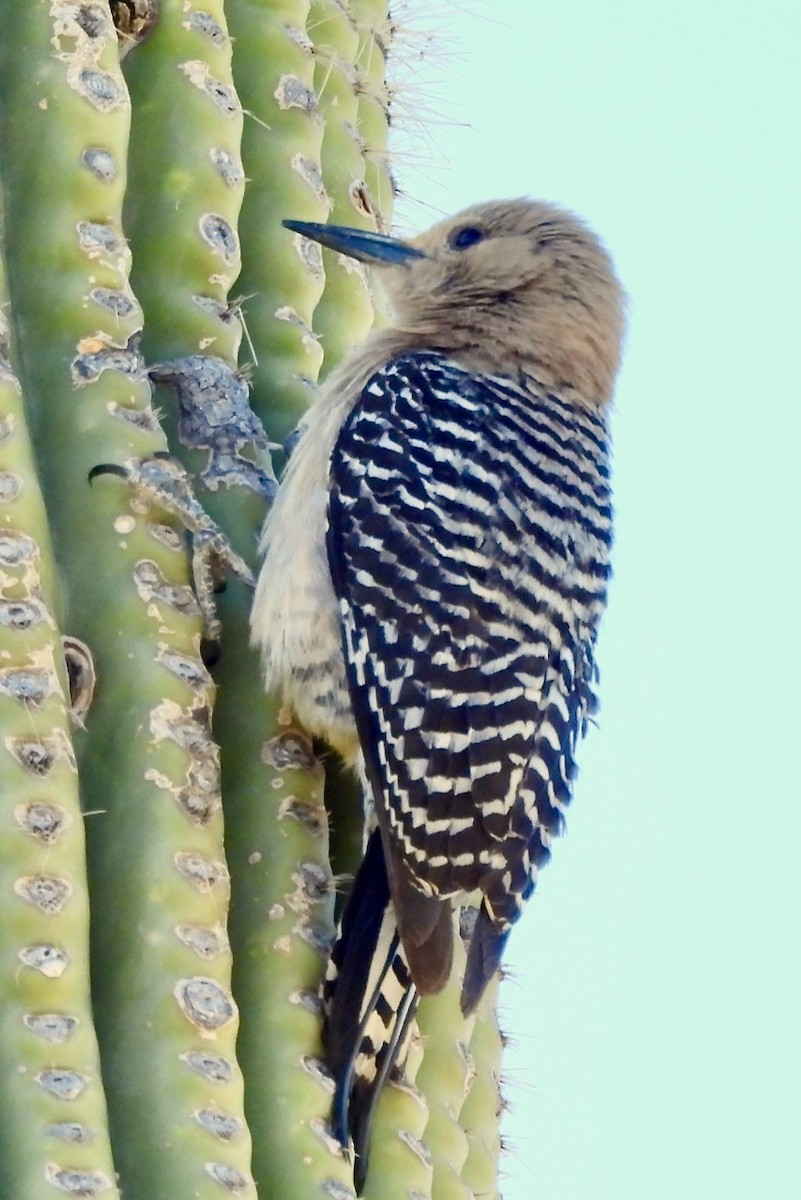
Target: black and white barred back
469, 529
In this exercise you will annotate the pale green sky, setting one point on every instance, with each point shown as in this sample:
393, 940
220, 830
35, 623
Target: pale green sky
656, 1009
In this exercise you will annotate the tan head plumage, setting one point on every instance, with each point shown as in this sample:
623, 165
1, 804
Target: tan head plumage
511, 286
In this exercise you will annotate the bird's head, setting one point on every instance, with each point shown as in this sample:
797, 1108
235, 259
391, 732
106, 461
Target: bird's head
503, 286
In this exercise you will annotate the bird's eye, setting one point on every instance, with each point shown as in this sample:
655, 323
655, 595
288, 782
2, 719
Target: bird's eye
468, 235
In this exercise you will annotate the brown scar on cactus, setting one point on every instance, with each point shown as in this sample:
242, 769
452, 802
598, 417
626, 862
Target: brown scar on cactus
81, 676
133, 20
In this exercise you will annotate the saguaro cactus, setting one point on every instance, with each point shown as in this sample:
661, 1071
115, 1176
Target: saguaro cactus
149, 793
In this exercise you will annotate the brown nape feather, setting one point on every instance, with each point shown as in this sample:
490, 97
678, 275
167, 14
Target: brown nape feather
425, 925
536, 293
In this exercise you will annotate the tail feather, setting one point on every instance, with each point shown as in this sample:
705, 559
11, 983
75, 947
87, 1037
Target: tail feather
487, 944
367, 1091
370, 1002
374, 980
347, 986
425, 924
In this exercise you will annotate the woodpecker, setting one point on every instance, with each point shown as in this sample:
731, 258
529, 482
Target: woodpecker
435, 568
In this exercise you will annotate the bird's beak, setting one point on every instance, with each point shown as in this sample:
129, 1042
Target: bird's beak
369, 247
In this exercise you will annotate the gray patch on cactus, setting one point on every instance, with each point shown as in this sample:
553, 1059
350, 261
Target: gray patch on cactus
45, 822
31, 687
304, 811
17, 549
140, 418
415, 1144
316, 1068
204, 23
210, 304
293, 93
205, 769
121, 304
223, 97
206, 1003
322, 1131
86, 368
71, 1132
205, 874
219, 1124
212, 1067
152, 585
53, 1027
38, 755
221, 236
188, 728
229, 1178
23, 614
313, 935
89, 365
313, 882
463, 1049
165, 534
310, 254
300, 37
50, 961
309, 1000
64, 1083
101, 163
10, 487
204, 941
335, 1190
84, 1184
191, 670
97, 240
310, 173
101, 90
48, 893
230, 168
290, 750
200, 797
200, 806
90, 18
